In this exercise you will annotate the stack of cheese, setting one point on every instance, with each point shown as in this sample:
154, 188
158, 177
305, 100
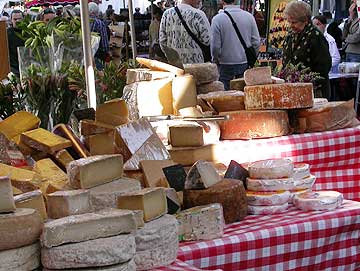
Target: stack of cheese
92, 240
206, 76
20, 229
157, 241
271, 183
203, 186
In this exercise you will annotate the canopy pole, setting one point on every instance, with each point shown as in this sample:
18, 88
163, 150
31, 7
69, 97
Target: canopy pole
88, 59
132, 29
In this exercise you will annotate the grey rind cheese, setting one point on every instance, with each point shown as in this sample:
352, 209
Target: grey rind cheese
105, 196
20, 259
78, 228
157, 256
18, 229
156, 233
128, 266
98, 252
203, 72
210, 87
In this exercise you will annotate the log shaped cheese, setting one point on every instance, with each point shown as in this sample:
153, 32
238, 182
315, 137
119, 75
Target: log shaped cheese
228, 192
247, 124
24, 258
318, 200
21, 228
258, 76
267, 198
223, 101
271, 169
279, 96
267, 210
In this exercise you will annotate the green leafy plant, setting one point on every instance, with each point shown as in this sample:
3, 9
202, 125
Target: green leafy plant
11, 97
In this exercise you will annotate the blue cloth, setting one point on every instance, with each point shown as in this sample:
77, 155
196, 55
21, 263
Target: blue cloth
229, 72
98, 26
352, 57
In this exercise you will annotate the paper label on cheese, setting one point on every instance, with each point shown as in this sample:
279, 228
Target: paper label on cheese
318, 200
267, 198
267, 210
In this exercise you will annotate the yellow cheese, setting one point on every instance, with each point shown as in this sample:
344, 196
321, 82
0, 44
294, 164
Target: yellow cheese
186, 135
43, 140
159, 66
25, 149
49, 171
49, 187
100, 143
6, 195
33, 200
92, 127
184, 92
153, 174
152, 201
22, 179
114, 112
16, 191
191, 112
18, 123
63, 158
136, 75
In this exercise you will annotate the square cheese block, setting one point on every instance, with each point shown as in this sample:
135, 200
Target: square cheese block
83, 227
202, 175
71, 202
92, 127
18, 123
136, 75
34, 200
154, 176
186, 135
43, 140
114, 112
49, 171
63, 158
7, 203
100, 143
152, 201
95, 170
22, 179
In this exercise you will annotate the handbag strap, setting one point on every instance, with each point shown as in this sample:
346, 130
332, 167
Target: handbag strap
192, 35
236, 29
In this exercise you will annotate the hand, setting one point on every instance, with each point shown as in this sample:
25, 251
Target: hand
352, 11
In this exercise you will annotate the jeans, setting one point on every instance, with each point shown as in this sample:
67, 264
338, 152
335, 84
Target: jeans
229, 72
352, 57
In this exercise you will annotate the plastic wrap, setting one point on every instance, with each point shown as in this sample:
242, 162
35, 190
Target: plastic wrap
130, 96
349, 67
318, 200
267, 210
267, 198
271, 169
201, 223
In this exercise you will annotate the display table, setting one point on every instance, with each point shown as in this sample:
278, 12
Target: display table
294, 240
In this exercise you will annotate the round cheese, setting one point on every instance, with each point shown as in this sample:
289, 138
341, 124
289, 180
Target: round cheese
223, 101
301, 170
279, 96
270, 184
267, 198
293, 193
318, 200
21, 228
271, 169
229, 193
247, 124
267, 210
304, 183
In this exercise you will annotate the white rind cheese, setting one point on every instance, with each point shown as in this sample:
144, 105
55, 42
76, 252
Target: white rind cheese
267, 210
267, 198
280, 184
20, 259
301, 171
98, 252
318, 200
271, 169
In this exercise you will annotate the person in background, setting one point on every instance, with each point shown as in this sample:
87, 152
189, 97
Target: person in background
14, 41
98, 26
154, 48
320, 22
137, 13
226, 49
47, 15
174, 35
305, 44
77, 10
59, 10
351, 35
109, 11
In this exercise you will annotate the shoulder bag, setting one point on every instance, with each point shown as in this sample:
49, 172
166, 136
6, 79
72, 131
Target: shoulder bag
250, 52
204, 48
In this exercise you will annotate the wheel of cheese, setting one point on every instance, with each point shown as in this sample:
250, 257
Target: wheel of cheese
305, 183
271, 169
246, 124
301, 171
203, 72
293, 193
210, 87
21, 228
267, 210
279, 96
223, 101
265, 198
270, 184
229, 193
318, 200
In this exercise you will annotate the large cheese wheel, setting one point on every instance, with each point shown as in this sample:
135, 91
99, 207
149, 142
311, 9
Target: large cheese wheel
267, 210
203, 72
279, 96
267, 198
223, 101
318, 200
21, 228
271, 169
210, 87
228, 192
254, 124
258, 76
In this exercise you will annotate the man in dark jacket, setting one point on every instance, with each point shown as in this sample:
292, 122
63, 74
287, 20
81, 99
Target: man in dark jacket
14, 41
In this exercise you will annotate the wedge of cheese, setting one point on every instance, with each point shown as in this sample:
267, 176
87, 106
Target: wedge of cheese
100, 143
183, 92
22, 179
159, 66
92, 127
18, 123
141, 74
7, 203
202, 175
258, 76
49, 171
154, 176
34, 200
114, 112
63, 158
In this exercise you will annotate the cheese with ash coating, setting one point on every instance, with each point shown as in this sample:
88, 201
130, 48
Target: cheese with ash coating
279, 96
271, 169
318, 200
265, 198
203, 72
24, 258
267, 210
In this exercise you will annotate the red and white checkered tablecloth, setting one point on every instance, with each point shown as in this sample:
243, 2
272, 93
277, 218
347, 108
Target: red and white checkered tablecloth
294, 240
334, 156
